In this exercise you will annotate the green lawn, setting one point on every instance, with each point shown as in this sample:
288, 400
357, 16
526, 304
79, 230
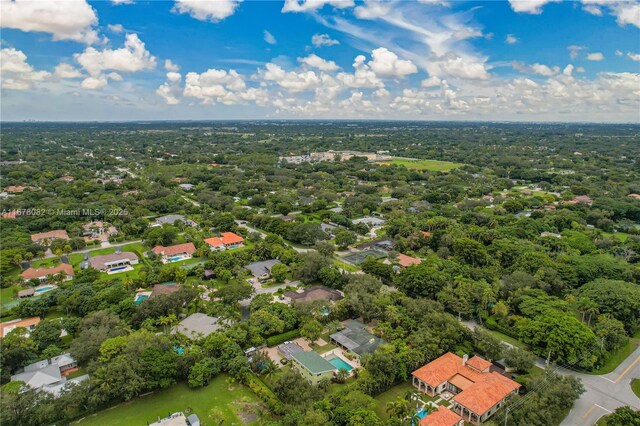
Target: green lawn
616, 357
635, 387
432, 165
508, 339
218, 403
399, 390
344, 265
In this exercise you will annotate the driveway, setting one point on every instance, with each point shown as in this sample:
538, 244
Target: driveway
603, 394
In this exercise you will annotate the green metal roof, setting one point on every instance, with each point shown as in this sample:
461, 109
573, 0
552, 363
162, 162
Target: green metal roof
313, 362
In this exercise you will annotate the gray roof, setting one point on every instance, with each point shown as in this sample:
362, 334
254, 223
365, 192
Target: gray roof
371, 221
193, 420
172, 218
318, 292
313, 362
259, 268
198, 325
287, 349
99, 262
357, 338
38, 378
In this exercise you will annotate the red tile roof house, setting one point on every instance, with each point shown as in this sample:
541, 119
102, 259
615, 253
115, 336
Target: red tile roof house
44, 238
28, 323
479, 393
406, 261
41, 274
115, 262
226, 241
442, 417
175, 253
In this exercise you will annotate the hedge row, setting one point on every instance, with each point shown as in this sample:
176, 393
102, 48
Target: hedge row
281, 338
265, 394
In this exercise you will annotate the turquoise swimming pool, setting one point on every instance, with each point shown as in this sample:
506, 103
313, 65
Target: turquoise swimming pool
44, 289
340, 364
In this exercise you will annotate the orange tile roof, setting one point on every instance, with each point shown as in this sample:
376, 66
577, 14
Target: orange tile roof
188, 248
8, 326
14, 189
10, 215
485, 391
404, 260
478, 363
441, 417
460, 382
225, 238
58, 234
43, 272
426, 233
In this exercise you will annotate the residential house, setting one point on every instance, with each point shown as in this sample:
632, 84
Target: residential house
329, 229
41, 274
171, 219
318, 292
45, 238
312, 366
186, 186
479, 390
405, 261
199, 325
441, 416
287, 349
177, 419
166, 288
226, 241
115, 262
262, 270
175, 253
50, 375
426, 234
369, 221
385, 244
27, 323
98, 230
356, 339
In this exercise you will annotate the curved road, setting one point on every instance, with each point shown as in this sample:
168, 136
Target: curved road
603, 394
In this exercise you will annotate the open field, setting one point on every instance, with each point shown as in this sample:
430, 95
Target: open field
421, 165
217, 403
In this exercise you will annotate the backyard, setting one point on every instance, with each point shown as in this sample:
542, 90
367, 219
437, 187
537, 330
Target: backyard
217, 403
399, 390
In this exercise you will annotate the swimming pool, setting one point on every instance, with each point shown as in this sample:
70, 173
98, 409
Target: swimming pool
422, 414
175, 259
119, 268
43, 289
140, 298
340, 364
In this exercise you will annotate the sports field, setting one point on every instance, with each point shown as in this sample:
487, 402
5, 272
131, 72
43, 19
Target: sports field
431, 165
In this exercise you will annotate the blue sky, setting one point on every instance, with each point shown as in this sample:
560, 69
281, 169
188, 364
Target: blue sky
529, 60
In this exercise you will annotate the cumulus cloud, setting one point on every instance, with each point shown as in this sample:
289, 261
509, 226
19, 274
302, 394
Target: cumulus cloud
213, 86
511, 39
595, 56
65, 70
574, 50
633, 56
536, 68
315, 61
362, 77
290, 80
64, 20
133, 57
117, 28
269, 38
311, 5
207, 10
170, 90
372, 9
320, 40
16, 73
120, 2
464, 68
385, 63
529, 6
626, 12
170, 66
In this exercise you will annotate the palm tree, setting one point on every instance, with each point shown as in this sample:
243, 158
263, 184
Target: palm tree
399, 408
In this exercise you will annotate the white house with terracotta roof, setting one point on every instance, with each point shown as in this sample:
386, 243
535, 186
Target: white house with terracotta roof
28, 323
479, 392
41, 274
175, 253
226, 241
45, 238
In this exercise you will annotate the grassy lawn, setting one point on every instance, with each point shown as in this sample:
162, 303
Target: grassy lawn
432, 165
6, 294
508, 339
616, 357
399, 390
635, 387
344, 265
217, 403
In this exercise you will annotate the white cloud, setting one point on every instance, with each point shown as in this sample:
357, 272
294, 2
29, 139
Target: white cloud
207, 10
170, 90
311, 5
117, 28
16, 73
269, 38
457, 66
65, 70
65, 20
170, 66
511, 39
432, 81
633, 56
529, 6
319, 40
121, 2
568, 70
292, 81
385, 63
595, 56
372, 9
315, 61
626, 12
575, 50
536, 68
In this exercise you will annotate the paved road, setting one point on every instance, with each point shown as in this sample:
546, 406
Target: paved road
603, 394
243, 224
